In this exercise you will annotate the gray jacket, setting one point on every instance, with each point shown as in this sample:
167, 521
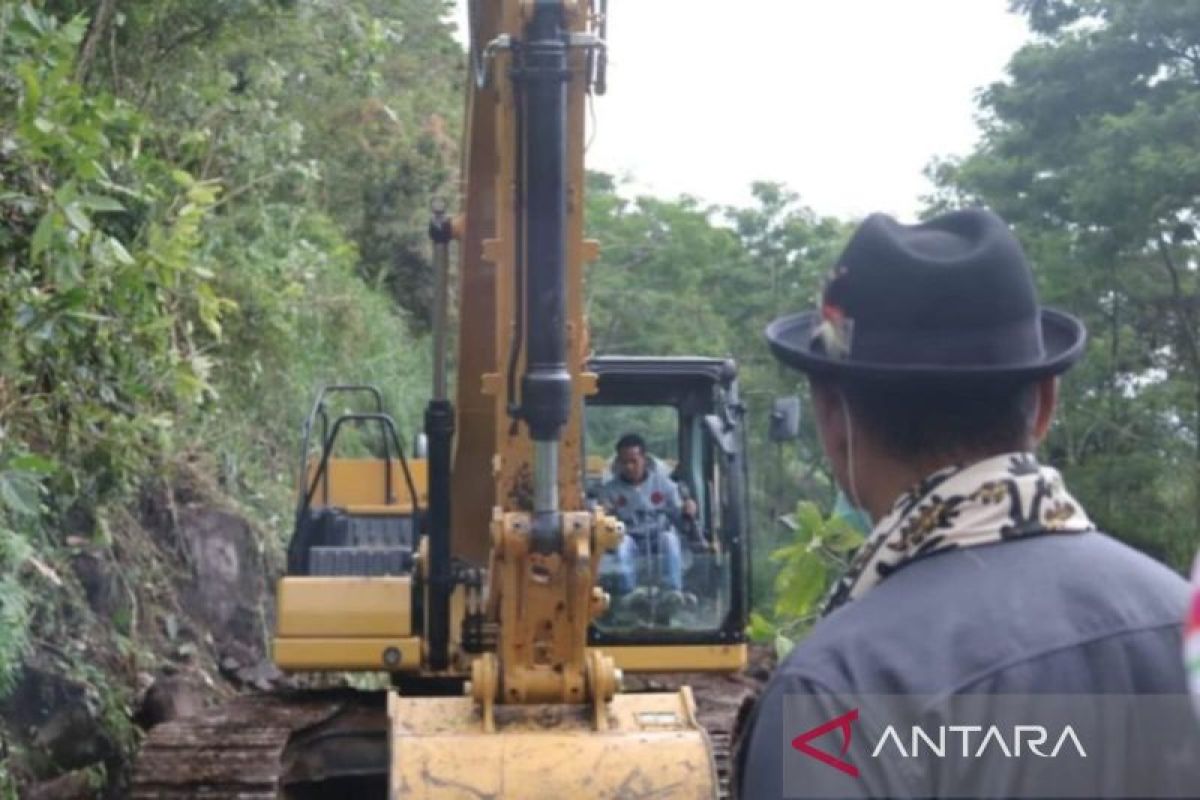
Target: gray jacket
647, 507
1054, 614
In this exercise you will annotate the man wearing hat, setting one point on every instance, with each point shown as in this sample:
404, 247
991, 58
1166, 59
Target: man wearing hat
934, 377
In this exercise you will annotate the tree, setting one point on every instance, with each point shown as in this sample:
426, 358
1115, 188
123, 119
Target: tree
1091, 147
676, 277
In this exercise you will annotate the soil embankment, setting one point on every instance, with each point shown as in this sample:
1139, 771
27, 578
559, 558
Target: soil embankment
161, 611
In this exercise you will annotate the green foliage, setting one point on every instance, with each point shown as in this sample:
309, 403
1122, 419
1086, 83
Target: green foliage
807, 567
304, 319
105, 307
21, 507
676, 277
8, 784
207, 211
347, 107
658, 258
1092, 148
107, 311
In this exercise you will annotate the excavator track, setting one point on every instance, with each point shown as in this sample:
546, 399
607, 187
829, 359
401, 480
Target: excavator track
297, 746
263, 747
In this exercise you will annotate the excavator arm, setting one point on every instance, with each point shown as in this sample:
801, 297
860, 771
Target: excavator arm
543, 712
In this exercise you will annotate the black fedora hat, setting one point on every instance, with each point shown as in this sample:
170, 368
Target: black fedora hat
951, 298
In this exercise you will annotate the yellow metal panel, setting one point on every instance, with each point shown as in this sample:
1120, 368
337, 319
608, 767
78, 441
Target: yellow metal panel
486, 215
348, 654
316, 607
596, 466
360, 482
493, 467
652, 748
377, 510
679, 658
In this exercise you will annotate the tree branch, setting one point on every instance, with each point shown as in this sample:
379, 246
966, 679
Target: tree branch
95, 34
1181, 303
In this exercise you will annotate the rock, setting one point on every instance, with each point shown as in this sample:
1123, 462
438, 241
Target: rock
264, 676
229, 666
170, 626
76, 785
99, 583
39, 693
168, 698
229, 584
74, 738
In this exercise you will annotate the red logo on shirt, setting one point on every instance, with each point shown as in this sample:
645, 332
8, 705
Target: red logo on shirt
656, 498
841, 723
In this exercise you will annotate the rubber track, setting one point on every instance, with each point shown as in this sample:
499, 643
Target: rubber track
235, 751
231, 752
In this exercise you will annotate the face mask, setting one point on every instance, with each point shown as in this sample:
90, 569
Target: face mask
858, 519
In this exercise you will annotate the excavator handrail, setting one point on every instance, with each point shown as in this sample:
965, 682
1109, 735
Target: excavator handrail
318, 409
387, 425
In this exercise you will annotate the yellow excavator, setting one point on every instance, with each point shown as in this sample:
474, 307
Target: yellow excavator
486, 574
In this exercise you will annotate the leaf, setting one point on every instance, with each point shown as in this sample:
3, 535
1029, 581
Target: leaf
32, 18
41, 235
783, 646
89, 316
841, 536
203, 194
788, 552
33, 87
15, 198
760, 629
72, 298
96, 202
800, 585
119, 252
116, 188
15, 489
182, 178
808, 518
77, 218
33, 463
75, 29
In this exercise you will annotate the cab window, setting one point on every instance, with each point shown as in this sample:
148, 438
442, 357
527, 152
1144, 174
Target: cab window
671, 573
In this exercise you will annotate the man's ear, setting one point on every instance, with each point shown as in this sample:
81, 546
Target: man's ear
1047, 403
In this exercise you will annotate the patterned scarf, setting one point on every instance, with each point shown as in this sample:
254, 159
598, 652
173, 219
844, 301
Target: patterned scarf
1004, 497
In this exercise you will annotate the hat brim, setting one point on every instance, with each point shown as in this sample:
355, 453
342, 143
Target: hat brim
790, 338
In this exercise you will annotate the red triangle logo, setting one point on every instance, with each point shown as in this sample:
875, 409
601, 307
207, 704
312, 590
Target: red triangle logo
842, 723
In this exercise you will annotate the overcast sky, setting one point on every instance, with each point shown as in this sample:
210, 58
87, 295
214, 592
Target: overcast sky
845, 101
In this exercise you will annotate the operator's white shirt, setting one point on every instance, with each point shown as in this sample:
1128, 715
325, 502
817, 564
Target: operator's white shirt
641, 504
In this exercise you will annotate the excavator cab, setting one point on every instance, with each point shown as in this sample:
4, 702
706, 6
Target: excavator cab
688, 412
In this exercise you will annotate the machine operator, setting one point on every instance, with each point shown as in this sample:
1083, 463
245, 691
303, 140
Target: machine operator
642, 495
